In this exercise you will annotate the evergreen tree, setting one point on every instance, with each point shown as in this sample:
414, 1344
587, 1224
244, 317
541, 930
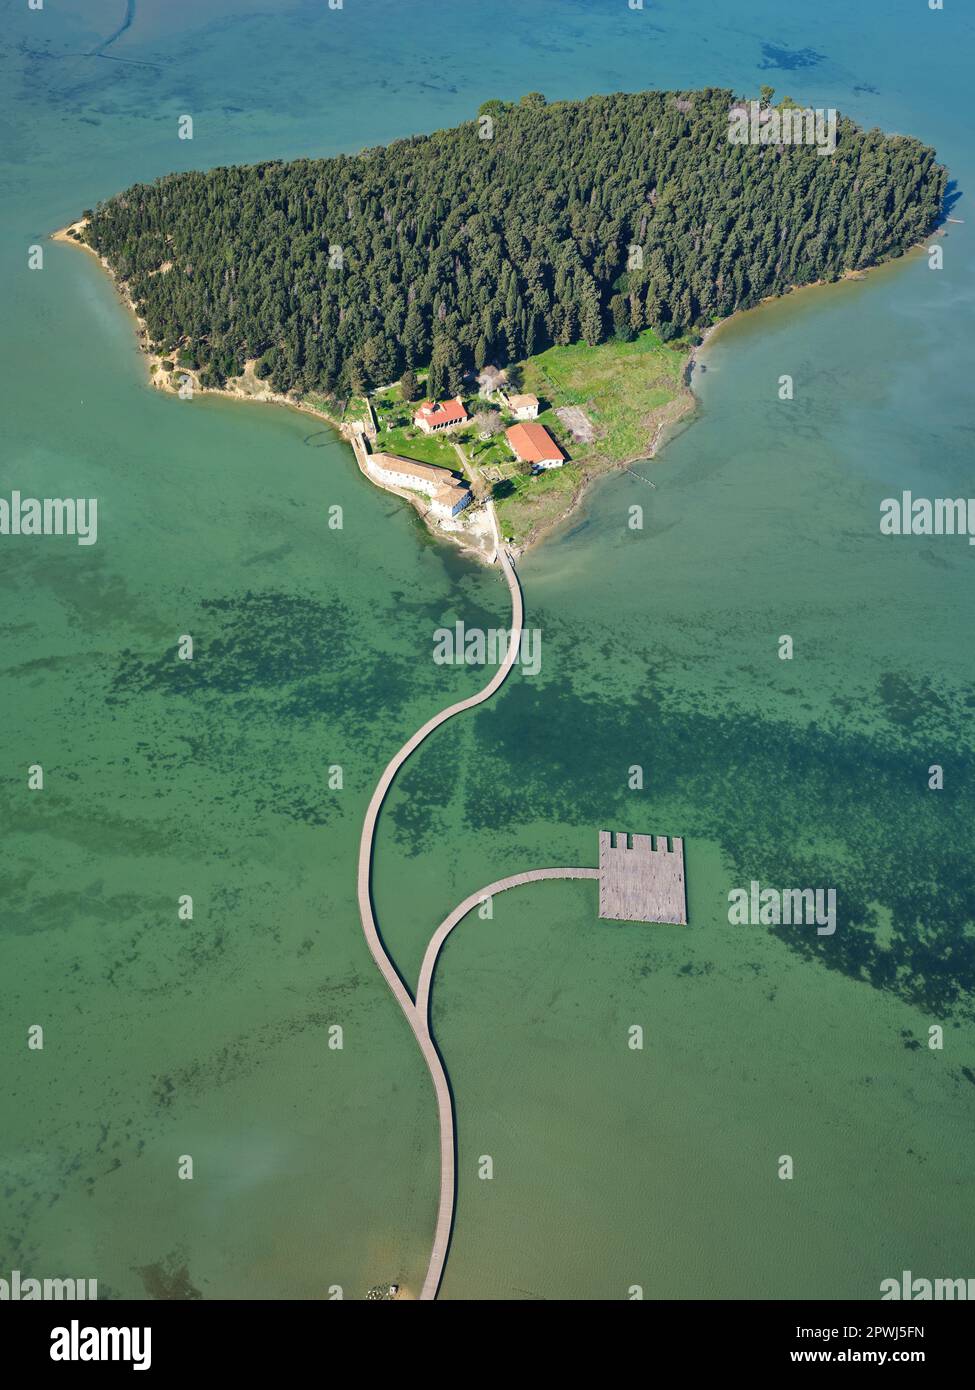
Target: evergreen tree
342, 272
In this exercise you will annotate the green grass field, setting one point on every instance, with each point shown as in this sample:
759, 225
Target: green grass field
537, 502
411, 443
624, 389
627, 390
494, 451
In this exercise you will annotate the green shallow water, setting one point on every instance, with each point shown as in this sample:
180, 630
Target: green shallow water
315, 1167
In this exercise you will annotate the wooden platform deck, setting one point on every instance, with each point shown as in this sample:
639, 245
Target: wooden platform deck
640, 881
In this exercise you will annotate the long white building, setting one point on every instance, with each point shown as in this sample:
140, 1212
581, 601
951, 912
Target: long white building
448, 494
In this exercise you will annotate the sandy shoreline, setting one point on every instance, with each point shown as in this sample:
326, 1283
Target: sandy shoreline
159, 379
848, 277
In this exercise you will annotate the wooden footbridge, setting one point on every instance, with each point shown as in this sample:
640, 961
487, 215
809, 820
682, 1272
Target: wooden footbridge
417, 1011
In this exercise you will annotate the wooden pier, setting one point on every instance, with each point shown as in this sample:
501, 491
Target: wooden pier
640, 881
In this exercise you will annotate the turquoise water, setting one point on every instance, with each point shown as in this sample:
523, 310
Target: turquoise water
315, 1167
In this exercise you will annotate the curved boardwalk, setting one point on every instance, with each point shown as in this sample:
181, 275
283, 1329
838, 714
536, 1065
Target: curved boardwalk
369, 926
445, 1211
425, 982
417, 1014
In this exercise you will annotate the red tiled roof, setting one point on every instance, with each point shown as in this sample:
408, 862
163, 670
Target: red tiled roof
533, 443
439, 411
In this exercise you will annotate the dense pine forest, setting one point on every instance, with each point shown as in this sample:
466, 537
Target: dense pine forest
573, 220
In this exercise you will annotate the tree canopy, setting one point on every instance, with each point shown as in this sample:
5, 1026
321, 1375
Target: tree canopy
573, 220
